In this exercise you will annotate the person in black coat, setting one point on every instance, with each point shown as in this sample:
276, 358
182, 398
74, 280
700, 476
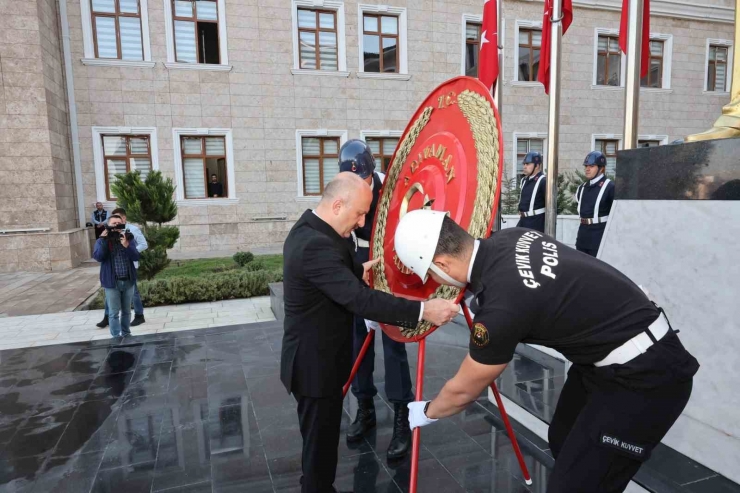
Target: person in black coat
323, 288
532, 195
595, 198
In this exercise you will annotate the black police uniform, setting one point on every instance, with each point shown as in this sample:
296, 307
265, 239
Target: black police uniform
608, 418
397, 373
593, 222
532, 202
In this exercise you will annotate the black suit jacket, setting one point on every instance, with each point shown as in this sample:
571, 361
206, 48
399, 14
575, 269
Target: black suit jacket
323, 288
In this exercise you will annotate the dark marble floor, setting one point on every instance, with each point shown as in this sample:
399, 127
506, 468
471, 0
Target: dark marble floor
204, 411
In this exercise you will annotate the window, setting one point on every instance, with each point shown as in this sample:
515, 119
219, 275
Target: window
380, 43
608, 61
609, 148
320, 163
524, 146
121, 154
530, 41
117, 29
717, 68
202, 157
196, 31
382, 149
472, 48
654, 77
317, 38
648, 143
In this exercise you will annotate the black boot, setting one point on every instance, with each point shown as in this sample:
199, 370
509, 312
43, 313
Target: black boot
138, 320
364, 421
103, 323
401, 441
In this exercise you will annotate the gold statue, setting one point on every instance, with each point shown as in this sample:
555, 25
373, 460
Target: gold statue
727, 126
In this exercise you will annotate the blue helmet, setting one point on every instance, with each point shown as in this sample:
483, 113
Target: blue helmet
534, 158
355, 156
595, 158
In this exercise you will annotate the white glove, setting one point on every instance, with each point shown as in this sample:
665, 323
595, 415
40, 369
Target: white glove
416, 414
372, 325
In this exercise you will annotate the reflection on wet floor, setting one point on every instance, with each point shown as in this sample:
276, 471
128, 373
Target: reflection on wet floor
205, 411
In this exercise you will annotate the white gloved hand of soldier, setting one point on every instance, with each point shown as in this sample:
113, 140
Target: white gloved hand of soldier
416, 414
372, 325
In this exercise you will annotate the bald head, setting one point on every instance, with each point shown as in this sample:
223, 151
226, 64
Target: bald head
345, 202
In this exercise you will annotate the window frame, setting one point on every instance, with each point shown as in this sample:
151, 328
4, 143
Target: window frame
607, 55
203, 156
223, 48
321, 156
128, 156
316, 133
622, 61
116, 15
317, 31
527, 25
227, 133
618, 138
652, 57
730, 54
89, 38
527, 136
381, 135
381, 36
402, 52
327, 5
100, 166
470, 42
667, 65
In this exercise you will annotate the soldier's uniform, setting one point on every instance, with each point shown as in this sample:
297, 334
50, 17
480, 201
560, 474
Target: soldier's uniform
594, 199
532, 196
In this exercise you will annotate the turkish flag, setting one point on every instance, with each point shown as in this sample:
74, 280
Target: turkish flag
543, 75
645, 63
488, 56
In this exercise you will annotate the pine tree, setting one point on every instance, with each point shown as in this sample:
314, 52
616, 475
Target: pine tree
150, 203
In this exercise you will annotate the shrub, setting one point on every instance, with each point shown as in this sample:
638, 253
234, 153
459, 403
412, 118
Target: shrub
255, 265
226, 286
243, 258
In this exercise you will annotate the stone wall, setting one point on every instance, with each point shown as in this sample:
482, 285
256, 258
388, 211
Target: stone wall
44, 251
264, 103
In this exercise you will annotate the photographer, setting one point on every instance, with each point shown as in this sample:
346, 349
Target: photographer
116, 251
141, 245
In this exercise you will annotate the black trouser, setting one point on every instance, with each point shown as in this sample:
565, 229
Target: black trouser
589, 238
533, 222
397, 373
319, 419
608, 420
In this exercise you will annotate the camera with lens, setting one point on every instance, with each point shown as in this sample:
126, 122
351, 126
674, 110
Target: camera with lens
115, 232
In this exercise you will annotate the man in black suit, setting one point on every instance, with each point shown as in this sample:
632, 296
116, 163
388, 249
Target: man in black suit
323, 286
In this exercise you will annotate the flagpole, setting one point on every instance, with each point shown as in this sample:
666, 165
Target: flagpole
632, 84
553, 123
499, 92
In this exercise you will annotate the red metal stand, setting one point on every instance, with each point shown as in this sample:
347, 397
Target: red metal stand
504, 416
369, 338
416, 439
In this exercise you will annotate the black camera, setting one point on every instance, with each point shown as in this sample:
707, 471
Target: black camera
115, 232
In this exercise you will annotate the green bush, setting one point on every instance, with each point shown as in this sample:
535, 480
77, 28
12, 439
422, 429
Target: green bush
243, 258
255, 265
225, 286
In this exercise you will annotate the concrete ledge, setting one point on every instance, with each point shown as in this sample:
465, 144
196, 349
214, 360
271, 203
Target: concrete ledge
276, 300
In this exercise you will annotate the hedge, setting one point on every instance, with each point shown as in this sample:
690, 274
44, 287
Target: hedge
228, 285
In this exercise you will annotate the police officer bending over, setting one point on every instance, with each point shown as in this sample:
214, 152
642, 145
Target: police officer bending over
355, 156
594, 199
630, 379
532, 195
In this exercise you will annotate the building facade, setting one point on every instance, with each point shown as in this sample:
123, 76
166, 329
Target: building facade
244, 103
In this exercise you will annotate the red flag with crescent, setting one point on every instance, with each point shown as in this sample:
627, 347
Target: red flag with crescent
488, 58
543, 75
623, 27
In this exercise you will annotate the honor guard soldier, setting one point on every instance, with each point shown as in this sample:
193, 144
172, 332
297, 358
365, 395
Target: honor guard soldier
532, 195
594, 200
355, 156
631, 377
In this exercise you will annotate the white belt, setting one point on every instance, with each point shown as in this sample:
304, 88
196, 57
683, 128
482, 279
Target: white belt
535, 212
596, 220
363, 243
637, 345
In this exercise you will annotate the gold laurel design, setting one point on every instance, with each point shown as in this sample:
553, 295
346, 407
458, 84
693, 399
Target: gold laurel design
480, 116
